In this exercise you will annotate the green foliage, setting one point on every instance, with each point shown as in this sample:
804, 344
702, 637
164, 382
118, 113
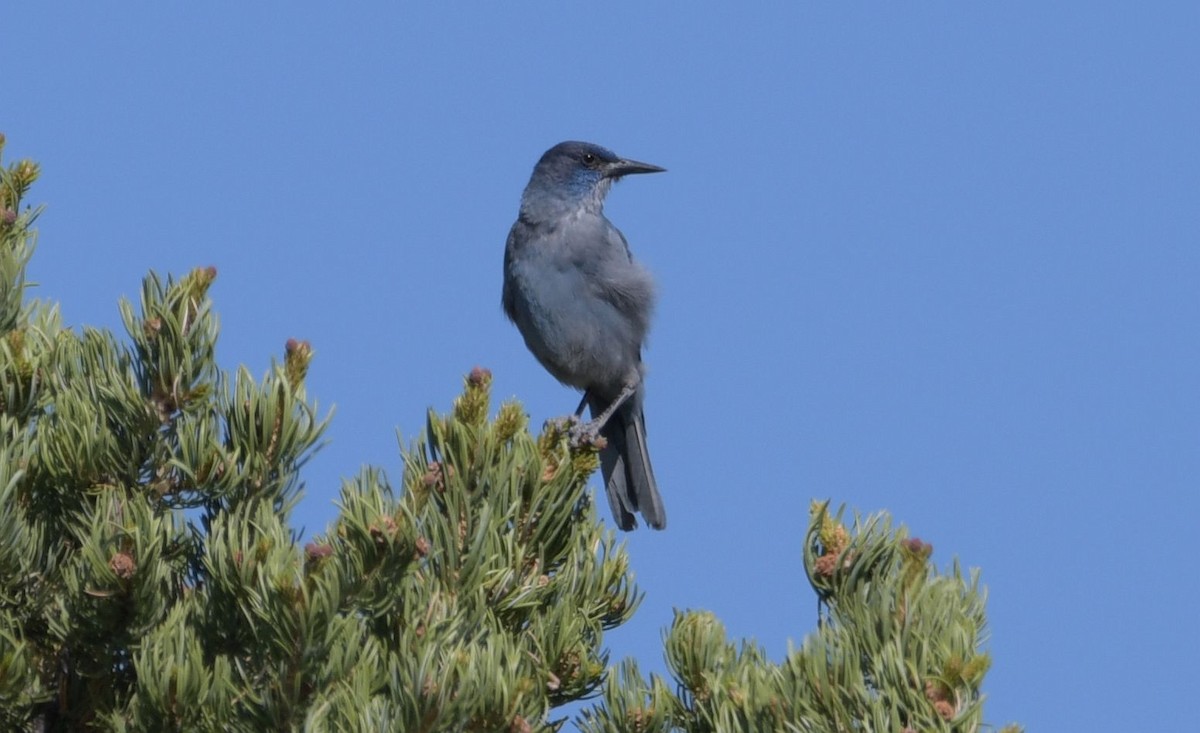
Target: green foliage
150, 579
898, 649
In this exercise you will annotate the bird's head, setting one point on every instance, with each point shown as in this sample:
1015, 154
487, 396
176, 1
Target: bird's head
579, 173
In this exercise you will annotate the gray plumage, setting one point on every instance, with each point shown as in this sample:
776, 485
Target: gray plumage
583, 306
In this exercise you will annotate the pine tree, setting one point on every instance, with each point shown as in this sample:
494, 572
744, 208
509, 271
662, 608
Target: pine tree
150, 579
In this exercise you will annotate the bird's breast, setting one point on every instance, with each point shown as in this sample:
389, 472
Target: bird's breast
581, 338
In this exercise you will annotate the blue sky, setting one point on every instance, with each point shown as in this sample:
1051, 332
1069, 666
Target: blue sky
939, 259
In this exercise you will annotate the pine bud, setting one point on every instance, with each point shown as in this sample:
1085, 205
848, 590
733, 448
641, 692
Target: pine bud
316, 551
151, 327
297, 356
479, 377
123, 566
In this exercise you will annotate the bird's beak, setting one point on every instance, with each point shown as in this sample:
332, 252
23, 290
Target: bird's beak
623, 167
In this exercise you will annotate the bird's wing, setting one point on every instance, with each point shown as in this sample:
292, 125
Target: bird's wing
622, 282
508, 294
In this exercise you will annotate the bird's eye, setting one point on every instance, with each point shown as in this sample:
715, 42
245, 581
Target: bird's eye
589, 159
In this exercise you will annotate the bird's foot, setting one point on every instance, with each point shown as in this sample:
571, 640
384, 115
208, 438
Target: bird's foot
579, 434
585, 434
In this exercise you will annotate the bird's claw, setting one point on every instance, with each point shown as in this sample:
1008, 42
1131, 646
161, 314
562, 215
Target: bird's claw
584, 434
578, 432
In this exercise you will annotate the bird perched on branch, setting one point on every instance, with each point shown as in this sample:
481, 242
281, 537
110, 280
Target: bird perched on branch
583, 306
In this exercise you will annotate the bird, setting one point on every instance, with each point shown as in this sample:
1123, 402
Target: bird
583, 306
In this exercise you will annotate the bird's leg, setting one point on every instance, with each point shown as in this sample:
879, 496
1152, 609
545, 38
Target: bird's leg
587, 432
574, 425
602, 419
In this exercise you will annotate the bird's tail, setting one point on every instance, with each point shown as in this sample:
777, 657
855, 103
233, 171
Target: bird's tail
625, 465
